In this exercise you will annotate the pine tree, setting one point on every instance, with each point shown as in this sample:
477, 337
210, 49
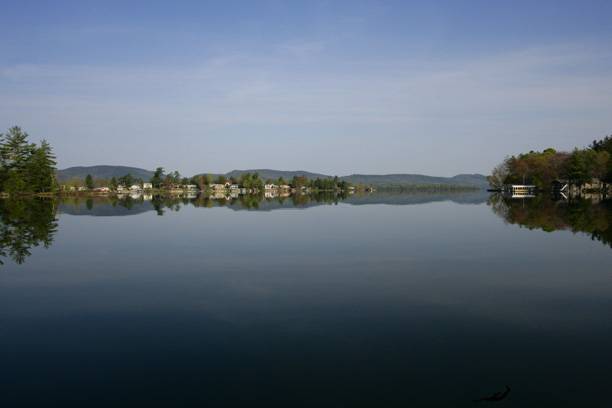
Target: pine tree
158, 177
89, 183
25, 167
16, 153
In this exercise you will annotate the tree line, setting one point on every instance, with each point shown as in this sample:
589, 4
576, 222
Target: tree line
26, 167
30, 168
542, 168
251, 181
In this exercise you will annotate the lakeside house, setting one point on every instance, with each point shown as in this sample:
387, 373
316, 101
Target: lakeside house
565, 188
228, 188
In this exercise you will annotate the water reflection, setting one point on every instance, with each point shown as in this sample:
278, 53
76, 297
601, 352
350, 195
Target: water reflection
28, 223
334, 305
579, 215
31, 223
135, 204
25, 224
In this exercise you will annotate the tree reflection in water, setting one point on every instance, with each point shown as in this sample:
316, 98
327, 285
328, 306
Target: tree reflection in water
24, 224
28, 223
31, 222
586, 216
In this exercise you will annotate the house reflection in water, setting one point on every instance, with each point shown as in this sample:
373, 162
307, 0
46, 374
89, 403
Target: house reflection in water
522, 190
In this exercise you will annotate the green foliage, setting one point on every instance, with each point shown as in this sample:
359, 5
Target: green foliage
542, 168
127, 180
158, 177
299, 181
251, 181
89, 182
25, 167
604, 146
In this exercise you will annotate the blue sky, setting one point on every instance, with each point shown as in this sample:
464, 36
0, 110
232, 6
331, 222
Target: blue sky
338, 87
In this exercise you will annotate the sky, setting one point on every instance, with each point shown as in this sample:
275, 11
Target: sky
431, 87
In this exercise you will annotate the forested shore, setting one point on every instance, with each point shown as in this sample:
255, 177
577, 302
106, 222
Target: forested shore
542, 169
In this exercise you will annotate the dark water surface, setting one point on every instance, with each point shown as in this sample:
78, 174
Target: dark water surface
377, 301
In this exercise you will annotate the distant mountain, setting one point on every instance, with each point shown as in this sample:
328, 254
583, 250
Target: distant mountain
382, 180
390, 180
275, 174
103, 172
387, 180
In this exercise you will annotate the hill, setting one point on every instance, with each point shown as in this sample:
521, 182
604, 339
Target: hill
102, 172
390, 180
275, 174
380, 180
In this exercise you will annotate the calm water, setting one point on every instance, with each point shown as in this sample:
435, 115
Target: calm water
387, 300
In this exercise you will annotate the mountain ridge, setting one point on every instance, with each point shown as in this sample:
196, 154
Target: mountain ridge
387, 180
102, 171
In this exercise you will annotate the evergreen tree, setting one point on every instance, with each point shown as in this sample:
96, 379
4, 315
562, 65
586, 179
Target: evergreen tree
41, 169
158, 177
16, 152
25, 167
89, 183
127, 180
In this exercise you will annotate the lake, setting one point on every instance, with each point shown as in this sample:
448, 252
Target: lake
381, 300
